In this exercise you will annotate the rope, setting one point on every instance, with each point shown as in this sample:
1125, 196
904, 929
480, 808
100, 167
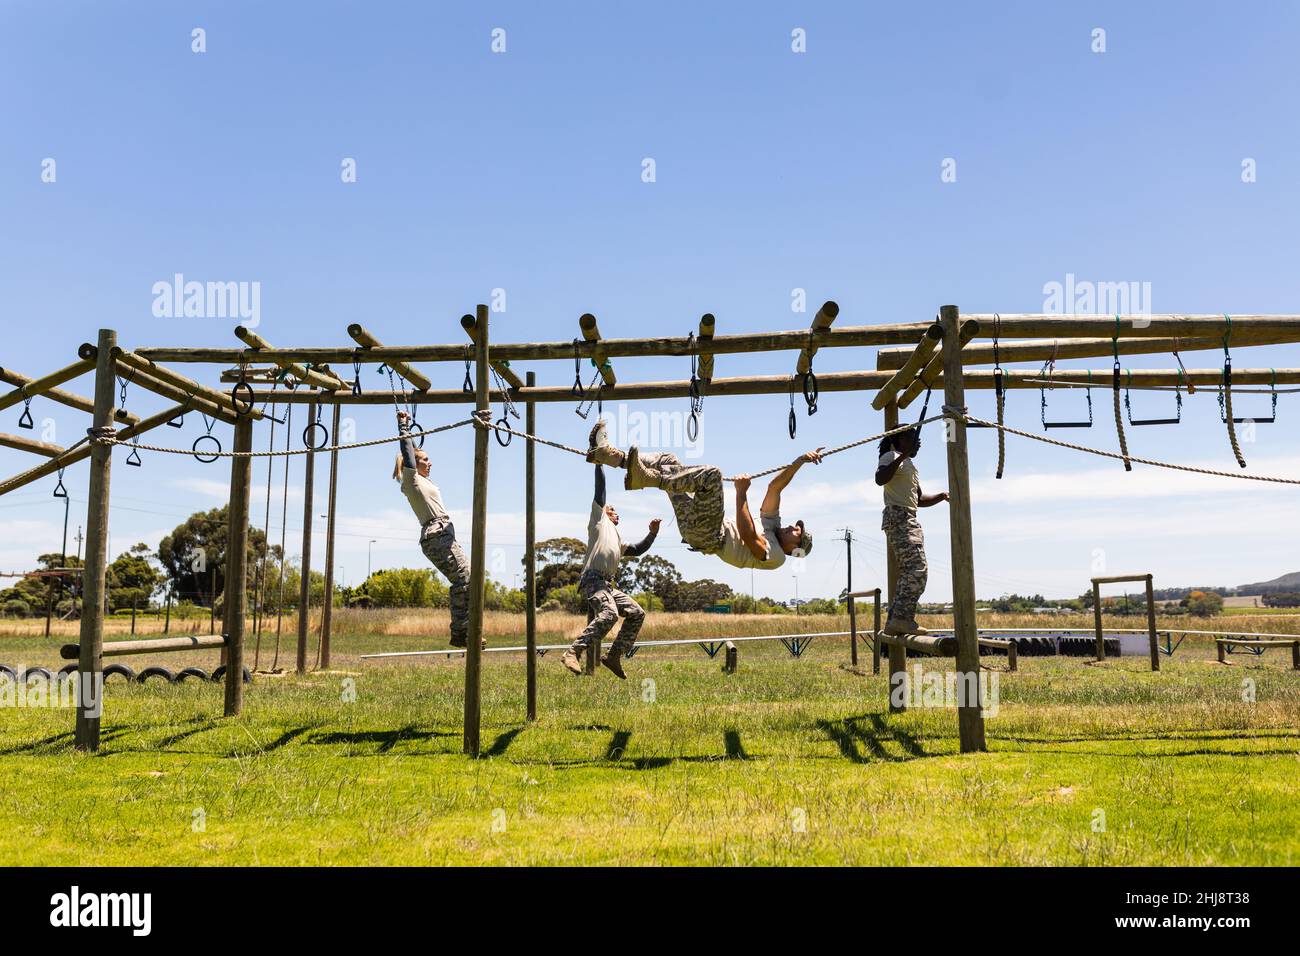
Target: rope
1000, 393
771, 471
1114, 390
1140, 461
1226, 394
295, 451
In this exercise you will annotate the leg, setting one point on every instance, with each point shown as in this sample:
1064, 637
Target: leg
441, 548
907, 542
633, 617
702, 527
599, 596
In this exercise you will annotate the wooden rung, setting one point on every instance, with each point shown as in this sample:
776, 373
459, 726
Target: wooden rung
1239, 642
730, 661
321, 378
79, 402
45, 383
470, 324
1121, 578
707, 325
591, 333
874, 592
933, 370
31, 445
820, 323
938, 645
183, 386
911, 368
70, 652
404, 369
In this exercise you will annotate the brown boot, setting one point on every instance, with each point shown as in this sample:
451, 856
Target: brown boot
638, 474
463, 643
600, 451
572, 661
614, 661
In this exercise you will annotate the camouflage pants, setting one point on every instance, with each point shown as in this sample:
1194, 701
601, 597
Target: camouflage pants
608, 604
438, 542
696, 495
907, 543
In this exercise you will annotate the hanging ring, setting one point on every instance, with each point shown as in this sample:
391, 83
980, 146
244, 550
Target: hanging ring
59, 490
25, 420
133, 459
241, 396
503, 422
206, 457
311, 430
810, 391
415, 427
794, 422
693, 426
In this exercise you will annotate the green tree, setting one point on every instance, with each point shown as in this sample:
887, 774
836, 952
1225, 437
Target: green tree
193, 556
1204, 603
132, 578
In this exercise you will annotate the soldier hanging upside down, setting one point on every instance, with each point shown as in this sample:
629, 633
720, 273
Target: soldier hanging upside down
607, 603
696, 495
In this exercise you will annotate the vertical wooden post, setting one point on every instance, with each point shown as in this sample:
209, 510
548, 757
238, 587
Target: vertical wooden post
970, 717
304, 586
1151, 625
875, 643
212, 606
898, 689
1096, 621
1220, 649
530, 545
327, 609
1295, 656
135, 602
167, 621
478, 541
241, 473
49, 605
90, 664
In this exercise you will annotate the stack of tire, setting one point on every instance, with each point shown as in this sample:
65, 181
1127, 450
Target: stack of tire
126, 673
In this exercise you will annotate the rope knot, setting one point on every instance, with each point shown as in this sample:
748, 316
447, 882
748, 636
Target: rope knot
482, 417
958, 411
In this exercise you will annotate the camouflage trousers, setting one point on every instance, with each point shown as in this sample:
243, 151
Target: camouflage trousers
438, 542
696, 494
907, 543
607, 604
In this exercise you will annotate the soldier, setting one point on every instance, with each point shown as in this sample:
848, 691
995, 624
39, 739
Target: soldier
607, 603
696, 494
897, 475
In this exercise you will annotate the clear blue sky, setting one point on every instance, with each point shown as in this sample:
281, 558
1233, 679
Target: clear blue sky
775, 171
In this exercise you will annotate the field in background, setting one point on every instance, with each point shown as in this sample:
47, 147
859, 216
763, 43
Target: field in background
786, 762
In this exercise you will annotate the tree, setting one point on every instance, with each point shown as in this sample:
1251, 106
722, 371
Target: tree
1204, 603
655, 575
694, 595
559, 562
193, 556
132, 578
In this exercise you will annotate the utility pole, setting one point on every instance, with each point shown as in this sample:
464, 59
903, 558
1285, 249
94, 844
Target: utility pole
848, 589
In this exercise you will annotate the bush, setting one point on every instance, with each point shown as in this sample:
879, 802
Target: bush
568, 598
16, 608
649, 603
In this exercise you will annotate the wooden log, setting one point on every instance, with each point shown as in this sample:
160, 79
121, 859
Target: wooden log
43, 384
970, 716
1221, 648
82, 452
932, 375
935, 645
821, 323
1121, 578
199, 403
704, 369
530, 551
327, 607
732, 658
1246, 642
317, 376
1164, 325
590, 332
21, 443
469, 323
404, 369
79, 402
162, 645
1151, 626
478, 542
304, 585
90, 664
918, 360
1100, 649
241, 480
1036, 351
184, 384
899, 692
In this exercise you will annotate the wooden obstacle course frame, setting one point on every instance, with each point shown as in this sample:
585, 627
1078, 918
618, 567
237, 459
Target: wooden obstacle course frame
1154, 638
1221, 645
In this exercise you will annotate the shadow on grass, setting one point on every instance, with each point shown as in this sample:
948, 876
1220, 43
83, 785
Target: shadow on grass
387, 739
849, 733
58, 743
502, 743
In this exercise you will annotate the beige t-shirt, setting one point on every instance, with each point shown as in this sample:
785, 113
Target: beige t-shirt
423, 495
604, 546
904, 489
734, 552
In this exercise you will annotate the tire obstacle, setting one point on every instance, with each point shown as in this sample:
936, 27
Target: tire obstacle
127, 674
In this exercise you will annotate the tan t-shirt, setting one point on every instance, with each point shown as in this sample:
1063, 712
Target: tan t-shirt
604, 546
423, 495
734, 552
904, 489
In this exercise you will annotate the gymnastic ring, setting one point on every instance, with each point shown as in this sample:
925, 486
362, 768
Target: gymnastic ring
810, 391
311, 430
503, 421
206, 457
794, 423
243, 405
693, 427
414, 426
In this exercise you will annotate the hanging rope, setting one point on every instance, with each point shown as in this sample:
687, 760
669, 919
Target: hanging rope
1225, 393
260, 589
1114, 390
999, 394
284, 528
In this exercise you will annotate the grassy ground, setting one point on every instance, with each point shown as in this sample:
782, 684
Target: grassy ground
786, 762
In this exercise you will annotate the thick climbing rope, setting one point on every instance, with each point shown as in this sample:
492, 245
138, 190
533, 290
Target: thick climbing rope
109, 440
1000, 394
1226, 393
1141, 461
1114, 391
761, 474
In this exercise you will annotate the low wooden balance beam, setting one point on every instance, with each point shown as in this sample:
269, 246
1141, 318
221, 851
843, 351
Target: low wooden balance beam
945, 645
71, 652
851, 600
1151, 613
1222, 644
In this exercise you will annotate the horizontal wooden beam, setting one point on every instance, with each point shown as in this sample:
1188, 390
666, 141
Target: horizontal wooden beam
932, 374
32, 445
70, 399
81, 451
1121, 578
1042, 351
198, 402
404, 369
1164, 325
704, 369
821, 323
470, 325
780, 385
163, 645
43, 384
182, 387
318, 376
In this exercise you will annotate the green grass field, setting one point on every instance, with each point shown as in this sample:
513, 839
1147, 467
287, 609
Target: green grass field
786, 762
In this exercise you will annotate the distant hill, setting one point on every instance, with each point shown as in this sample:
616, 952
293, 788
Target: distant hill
1287, 582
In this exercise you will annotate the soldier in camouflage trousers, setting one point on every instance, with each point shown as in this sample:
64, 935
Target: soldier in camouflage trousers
902, 486
907, 542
